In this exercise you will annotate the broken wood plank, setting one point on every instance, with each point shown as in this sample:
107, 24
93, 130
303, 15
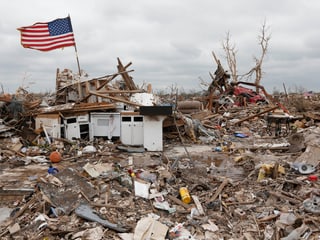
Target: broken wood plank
209, 126
107, 79
291, 195
128, 80
198, 204
268, 218
21, 211
248, 236
120, 91
220, 188
178, 201
116, 99
16, 192
240, 203
275, 171
106, 205
255, 115
281, 196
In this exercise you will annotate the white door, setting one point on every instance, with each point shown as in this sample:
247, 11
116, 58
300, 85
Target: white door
132, 130
137, 130
126, 130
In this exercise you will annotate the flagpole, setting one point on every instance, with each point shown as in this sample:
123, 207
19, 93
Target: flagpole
75, 48
79, 81
79, 69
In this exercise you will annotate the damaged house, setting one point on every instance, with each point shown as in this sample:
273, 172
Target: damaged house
93, 108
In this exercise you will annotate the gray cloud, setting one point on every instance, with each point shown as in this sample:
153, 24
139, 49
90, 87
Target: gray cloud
168, 42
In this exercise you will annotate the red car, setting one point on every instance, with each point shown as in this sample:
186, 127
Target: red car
250, 95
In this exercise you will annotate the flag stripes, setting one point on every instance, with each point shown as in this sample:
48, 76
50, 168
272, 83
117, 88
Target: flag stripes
48, 36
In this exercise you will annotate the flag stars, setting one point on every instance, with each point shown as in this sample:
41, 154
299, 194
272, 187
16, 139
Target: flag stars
59, 27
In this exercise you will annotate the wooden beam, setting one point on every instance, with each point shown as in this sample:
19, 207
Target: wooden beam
220, 188
116, 99
178, 201
255, 115
129, 83
120, 91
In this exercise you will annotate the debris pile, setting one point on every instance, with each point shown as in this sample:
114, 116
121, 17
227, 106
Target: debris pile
108, 160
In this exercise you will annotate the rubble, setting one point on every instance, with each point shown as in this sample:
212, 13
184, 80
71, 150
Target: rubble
251, 170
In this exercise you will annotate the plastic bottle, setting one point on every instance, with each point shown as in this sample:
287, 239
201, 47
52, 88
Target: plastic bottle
184, 194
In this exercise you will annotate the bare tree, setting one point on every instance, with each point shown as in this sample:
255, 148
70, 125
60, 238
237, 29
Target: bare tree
264, 39
231, 52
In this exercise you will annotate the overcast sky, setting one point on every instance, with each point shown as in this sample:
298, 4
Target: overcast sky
169, 42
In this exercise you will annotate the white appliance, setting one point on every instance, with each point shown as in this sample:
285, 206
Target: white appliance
132, 130
153, 133
153, 117
76, 127
104, 125
51, 124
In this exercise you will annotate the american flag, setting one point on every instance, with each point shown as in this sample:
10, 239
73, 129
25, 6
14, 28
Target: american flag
47, 36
